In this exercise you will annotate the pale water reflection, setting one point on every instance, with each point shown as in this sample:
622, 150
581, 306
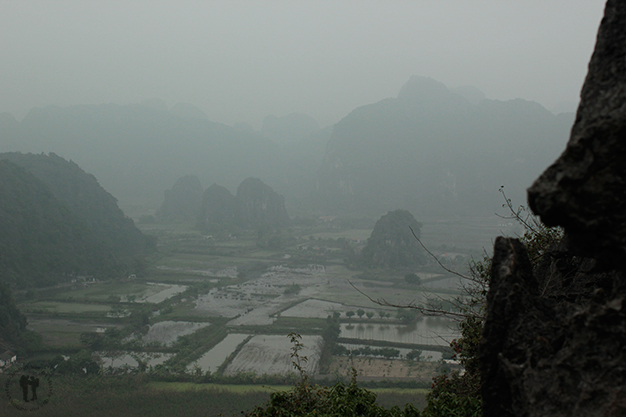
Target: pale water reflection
215, 357
428, 331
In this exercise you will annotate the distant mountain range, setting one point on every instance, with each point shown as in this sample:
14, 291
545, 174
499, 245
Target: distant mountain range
437, 153
430, 150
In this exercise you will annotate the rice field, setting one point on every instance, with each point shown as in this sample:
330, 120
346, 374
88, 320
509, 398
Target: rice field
167, 332
120, 359
214, 358
63, 307
313, 308
424, 332
271, 354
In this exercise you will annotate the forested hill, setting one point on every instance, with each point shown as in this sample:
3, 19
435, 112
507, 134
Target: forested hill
436, 152
58, 222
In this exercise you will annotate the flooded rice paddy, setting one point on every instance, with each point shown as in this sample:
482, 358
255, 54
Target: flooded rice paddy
313, 308
271, 354
165, 291
167, 332
257, 300
121, 359
427, 355
214, 358
427, 331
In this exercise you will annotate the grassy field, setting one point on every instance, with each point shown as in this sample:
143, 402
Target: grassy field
134, 396
102, 292
236, 389
361, 234
62, 307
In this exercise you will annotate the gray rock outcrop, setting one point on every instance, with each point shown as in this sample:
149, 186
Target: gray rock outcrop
182, 201
219, 209
260, 205
555, 333
584, 190
255, 205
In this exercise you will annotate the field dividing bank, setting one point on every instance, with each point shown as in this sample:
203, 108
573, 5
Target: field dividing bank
385, 343
238, 389
243, 389
63, 307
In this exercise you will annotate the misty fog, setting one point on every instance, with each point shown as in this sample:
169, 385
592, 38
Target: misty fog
184, 183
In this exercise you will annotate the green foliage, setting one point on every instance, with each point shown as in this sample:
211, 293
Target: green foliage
93, 341
315, 400
12, 322
459, 395
339, 400
292, 289
407, 315
81, 363
413, 279
414, 355
13, 325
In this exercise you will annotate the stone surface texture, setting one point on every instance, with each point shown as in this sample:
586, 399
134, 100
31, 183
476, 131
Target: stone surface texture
584, 190
555, 335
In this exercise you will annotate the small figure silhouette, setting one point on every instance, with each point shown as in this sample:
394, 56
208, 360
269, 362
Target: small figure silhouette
24, 386
34, 383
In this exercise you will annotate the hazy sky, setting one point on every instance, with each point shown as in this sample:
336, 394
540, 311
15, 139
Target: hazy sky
243, 60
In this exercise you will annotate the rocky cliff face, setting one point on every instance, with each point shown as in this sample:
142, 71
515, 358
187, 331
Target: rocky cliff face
182, 202
256, 204
555, 333
392, 244
219, 209
260, 205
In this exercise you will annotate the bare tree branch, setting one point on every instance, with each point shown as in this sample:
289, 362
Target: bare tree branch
435, 258
423, 310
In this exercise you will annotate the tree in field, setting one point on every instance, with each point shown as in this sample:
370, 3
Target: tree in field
360, 312
350, 314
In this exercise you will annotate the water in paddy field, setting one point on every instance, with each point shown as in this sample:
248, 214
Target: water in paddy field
130, 359
214, 358
428, 331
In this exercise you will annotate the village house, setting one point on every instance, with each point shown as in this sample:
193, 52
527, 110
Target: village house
7, 358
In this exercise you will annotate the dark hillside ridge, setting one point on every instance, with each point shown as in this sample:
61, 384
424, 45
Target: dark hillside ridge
42, 241
182, 202
81, 193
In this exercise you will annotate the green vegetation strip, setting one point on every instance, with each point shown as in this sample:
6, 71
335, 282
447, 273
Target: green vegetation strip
242, 389
238, 389
385, 343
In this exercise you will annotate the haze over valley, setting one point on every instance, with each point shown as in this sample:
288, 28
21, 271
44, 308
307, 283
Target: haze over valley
181, 187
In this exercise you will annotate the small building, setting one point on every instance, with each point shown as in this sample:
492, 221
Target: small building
7, 358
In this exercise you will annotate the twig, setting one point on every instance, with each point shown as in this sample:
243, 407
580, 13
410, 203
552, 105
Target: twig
425, 311
435, 258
